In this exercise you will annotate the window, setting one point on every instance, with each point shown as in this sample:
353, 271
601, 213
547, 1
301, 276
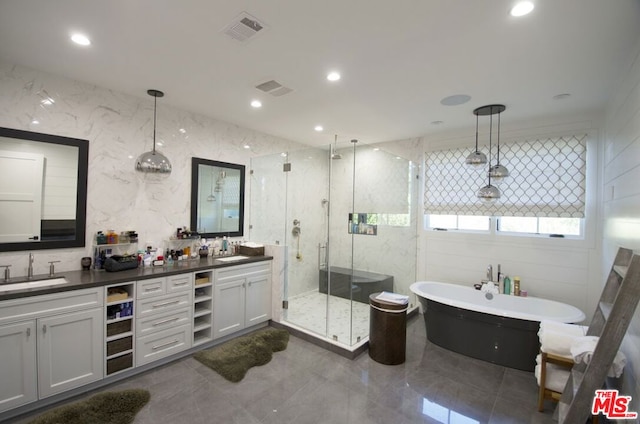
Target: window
457, 222
543, 226
555, 227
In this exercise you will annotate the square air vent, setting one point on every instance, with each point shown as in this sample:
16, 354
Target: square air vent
274, 88
244, 27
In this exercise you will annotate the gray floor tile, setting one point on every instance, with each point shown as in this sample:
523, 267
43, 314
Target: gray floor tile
307, 384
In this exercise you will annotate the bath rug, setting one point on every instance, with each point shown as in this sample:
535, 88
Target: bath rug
106, 408
233, 359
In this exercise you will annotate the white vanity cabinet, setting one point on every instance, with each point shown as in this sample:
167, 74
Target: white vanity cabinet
163, 317
49, 344
242, 297
18, 372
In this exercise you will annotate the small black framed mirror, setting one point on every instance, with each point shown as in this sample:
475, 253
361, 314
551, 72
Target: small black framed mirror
217, 198
43, 190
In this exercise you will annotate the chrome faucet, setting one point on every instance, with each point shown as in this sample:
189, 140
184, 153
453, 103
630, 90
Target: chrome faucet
30, 269
490, 273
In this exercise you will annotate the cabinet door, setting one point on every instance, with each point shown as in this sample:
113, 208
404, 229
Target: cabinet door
18, 380
258, 300
228, 308
70, 351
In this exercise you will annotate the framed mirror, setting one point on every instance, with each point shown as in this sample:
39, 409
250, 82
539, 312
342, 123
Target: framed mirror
43, 190
217, 198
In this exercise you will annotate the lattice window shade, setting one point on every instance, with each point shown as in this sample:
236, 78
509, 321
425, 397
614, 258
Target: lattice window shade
548, 179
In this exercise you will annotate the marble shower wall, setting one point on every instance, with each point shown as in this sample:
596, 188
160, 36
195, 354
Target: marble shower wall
384, 184
119, 127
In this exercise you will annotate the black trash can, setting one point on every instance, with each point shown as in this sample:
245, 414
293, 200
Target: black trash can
387, 331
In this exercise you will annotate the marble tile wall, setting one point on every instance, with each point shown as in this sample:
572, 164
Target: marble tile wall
119, 128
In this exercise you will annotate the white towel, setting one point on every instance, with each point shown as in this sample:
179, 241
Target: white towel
561, 327
557, 337
582, 351
490, 288
556, 376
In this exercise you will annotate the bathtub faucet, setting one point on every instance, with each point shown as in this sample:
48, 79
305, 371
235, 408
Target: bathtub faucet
490, 273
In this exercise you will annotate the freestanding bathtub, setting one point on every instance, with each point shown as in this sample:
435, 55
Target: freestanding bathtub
497, 328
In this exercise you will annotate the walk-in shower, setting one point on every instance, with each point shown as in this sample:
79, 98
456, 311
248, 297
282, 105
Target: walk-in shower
346, 217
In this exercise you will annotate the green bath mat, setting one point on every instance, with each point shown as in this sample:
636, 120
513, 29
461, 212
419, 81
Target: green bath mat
104, 408
233, 359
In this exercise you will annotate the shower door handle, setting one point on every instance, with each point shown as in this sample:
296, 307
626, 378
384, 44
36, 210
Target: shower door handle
322, 263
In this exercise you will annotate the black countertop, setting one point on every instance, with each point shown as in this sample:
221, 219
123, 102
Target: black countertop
91, 278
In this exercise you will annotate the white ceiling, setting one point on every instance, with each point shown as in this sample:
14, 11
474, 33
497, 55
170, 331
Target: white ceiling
397, 58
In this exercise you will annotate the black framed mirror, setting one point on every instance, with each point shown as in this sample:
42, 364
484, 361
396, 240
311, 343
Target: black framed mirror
217, 198
43, 190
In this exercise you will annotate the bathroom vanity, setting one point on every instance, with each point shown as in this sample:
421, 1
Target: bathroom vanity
100, 327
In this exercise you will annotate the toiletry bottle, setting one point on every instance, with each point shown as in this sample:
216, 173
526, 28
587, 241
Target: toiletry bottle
507, 285
225, 245
516, 286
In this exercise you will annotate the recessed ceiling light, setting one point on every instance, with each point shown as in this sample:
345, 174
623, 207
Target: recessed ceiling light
318, 128
333, 76
455, 100
561, 96
35, 122
246, 146
256, 103
522, 8
80, 39
375, 149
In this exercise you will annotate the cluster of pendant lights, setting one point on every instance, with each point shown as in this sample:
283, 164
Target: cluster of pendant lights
497, 172
153, 162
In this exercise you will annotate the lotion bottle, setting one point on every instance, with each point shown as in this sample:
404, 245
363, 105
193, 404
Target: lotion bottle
507, 285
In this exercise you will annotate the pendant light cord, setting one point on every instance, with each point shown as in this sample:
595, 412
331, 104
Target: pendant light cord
498, 155
476, 133
490, 136
155, 109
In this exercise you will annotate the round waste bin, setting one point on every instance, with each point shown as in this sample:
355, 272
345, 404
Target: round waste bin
387, 331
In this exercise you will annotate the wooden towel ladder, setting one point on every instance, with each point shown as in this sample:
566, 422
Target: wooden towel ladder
610, 321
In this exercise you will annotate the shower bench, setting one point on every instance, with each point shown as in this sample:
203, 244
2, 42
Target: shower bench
356, 285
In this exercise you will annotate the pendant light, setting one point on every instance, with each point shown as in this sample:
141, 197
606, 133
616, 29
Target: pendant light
154, 162
477, 158
489, 193
498, 172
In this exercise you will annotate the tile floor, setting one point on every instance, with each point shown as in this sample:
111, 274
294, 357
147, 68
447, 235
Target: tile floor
348, 321
306, 384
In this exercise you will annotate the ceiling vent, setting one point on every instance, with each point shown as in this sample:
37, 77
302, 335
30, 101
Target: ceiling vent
244, 27
274, 88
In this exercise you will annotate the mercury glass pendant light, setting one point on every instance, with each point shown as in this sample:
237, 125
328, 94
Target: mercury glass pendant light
476, 158
498, 172
489, 193
154, 162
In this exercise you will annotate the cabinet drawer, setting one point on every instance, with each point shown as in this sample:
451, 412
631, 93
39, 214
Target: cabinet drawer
161, 321
164, 303
151, 288
223, 275
162, 344
31, 307
179, 282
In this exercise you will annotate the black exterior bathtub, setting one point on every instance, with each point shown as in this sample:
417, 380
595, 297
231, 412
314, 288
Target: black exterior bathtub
510, 342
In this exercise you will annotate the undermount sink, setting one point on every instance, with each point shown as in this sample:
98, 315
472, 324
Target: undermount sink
33, 284
232, 258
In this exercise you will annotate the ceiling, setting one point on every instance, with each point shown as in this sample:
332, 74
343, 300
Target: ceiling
398, 59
